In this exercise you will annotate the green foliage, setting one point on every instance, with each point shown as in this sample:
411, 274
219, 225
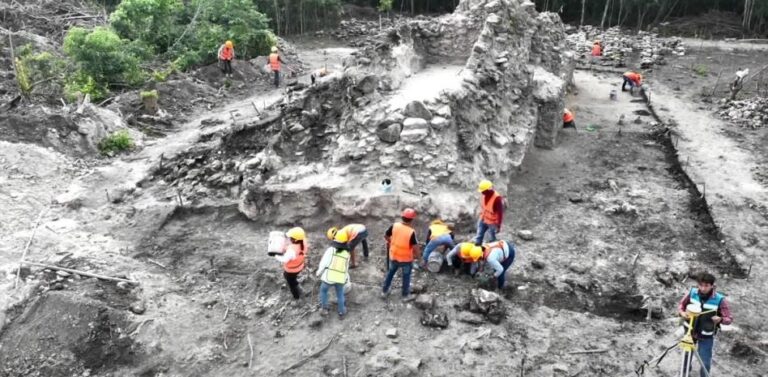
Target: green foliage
116, 142
35, 69
154, 22
102, 58
701, 69
385, 5
81, 83
22, 78
148, 94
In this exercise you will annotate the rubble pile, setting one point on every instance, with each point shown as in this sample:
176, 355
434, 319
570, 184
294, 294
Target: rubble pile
618, 46
352, 30
751, 112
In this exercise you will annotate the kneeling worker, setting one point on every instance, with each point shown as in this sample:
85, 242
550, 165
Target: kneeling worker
499, 256
334, 272
634, 80
356, 234
463, 257
293, 259
438, 234
568, 119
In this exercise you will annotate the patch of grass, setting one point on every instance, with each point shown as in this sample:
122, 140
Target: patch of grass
148, 94
701, 70
116, 142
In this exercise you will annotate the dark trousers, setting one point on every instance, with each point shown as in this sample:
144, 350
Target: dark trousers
627, 81
277, 78
393, 267
570, 124
226, 66
293, 283
464, 268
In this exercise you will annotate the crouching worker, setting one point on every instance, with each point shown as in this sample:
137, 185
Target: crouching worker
568, 119
334, 273
356, 234
439, 234
293, 259
463, 258
634, 79
499, 257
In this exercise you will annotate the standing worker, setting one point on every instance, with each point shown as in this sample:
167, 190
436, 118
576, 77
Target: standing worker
568, 119
334, 272
463, 257
491, 212
403, 248
356, 234
226, 55
715, 311
597, 49
634, 80
438, 234
293, 259
274, 64
499, 256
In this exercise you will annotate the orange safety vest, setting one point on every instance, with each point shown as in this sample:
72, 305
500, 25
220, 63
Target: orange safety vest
297, 263
597, 50
400, 248
567, 116
352, 230
490, 246
634, 77
274, 61
437, 230
488, 216
226, 53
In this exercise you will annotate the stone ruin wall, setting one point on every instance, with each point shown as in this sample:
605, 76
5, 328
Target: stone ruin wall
511, 93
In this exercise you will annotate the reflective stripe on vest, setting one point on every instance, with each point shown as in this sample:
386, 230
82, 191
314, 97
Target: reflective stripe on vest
489, 216
713, 303
336, 272
567, 116
400, 248
487, 248
437, 230
297, 263
274, 61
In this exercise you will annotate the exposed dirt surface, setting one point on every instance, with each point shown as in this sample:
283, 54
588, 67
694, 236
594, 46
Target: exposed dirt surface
623, 211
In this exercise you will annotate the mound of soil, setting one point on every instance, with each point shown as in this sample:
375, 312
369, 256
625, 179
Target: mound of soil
63, 334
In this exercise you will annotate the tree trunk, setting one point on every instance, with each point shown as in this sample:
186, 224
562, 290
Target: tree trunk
605, 13
583, 6
301, 17
413, 8
277, 17
641, 16
287, 22
621, 8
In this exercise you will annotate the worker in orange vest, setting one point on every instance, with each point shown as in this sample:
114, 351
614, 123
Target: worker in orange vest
634, 80
568, 119
226, 55
491, 212
463, 258
597, 49
403, 248
274, 64
356, 234
293, 259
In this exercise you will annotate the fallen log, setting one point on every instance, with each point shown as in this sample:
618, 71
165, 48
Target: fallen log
81, 273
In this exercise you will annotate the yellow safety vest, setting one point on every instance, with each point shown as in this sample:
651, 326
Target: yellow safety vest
336, 272
437, 230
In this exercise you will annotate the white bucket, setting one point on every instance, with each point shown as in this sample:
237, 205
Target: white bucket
277, 242
386, 185
347, 287
435, 262
614, 95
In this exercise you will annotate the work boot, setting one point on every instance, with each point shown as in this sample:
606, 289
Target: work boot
324, 312
408, 298
341, 316
384, 295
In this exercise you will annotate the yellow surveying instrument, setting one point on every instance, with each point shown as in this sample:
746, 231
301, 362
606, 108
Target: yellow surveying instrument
687, 344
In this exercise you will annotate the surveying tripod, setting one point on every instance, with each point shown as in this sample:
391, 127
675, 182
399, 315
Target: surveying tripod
687, 345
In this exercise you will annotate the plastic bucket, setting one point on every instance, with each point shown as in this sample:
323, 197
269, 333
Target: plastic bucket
347, 287
614, 95
276, 243
386, 185
435, 262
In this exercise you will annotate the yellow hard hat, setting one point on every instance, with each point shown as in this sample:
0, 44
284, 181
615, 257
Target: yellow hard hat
465, 249
484, 185
228, 44
437, 222
274, 49
341, 237
331, 232
296, 233
476, 253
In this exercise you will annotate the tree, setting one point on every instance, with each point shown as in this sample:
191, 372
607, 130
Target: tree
384, 6
155, 22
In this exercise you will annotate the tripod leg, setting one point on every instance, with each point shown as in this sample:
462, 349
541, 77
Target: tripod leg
701, 363
685, 364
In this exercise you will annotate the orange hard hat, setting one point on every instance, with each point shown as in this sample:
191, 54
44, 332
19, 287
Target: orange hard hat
409, 213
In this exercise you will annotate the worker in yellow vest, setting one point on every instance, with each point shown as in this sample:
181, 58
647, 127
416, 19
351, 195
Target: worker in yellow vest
293, 259
356, 234
438, 234
334, 272
491, 212
274, 65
